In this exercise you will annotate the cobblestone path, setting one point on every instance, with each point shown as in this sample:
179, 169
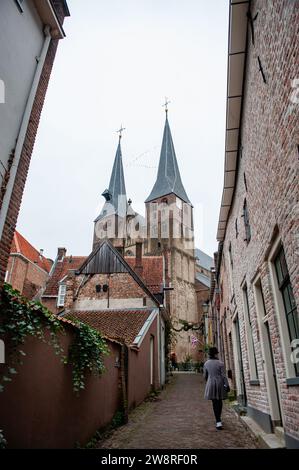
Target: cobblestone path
179, 419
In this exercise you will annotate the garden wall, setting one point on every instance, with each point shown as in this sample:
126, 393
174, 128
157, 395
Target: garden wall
39, 408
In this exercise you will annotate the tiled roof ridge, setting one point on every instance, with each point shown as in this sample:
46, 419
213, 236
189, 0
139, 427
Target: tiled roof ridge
23, 247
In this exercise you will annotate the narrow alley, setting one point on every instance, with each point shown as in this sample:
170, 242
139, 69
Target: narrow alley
179, 419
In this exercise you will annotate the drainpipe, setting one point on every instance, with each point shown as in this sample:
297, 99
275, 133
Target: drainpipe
23, 128
124, 381
159, 347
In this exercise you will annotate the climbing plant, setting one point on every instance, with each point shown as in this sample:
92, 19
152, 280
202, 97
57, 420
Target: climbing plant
21, 318
86, 354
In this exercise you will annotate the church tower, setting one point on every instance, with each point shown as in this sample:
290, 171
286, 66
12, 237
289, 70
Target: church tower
112, 222
169, 216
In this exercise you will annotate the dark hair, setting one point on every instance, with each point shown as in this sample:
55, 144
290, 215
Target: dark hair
213, 352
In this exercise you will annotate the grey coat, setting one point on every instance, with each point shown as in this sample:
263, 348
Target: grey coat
216, 380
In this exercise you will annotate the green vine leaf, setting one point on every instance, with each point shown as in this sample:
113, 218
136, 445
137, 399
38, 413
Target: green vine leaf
20, 318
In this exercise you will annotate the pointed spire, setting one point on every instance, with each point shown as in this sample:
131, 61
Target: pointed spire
117, 185
115, 195
168, 178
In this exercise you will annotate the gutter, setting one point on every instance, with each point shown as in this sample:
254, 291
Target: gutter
145, 327
23, 129
236, 72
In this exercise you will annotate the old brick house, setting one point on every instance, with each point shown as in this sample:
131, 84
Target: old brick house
27, 270
109, 295
53, 293
29, 36
258, 268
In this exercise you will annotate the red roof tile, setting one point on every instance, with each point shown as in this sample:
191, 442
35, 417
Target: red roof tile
120, 325
152, 273
60, 270
22, 246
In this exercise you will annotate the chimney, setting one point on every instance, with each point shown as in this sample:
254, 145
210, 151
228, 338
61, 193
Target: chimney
138, 260
61, 252
41, 253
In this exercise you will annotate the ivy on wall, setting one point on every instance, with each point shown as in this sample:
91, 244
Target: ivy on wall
86, 354
21, 318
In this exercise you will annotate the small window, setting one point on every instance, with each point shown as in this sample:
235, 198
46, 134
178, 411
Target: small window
246, 222
61, 295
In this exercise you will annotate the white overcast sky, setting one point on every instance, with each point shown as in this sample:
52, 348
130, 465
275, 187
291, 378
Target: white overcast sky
119, 60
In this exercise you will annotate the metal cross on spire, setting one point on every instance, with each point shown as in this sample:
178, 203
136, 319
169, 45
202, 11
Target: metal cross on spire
166, 104
120, 131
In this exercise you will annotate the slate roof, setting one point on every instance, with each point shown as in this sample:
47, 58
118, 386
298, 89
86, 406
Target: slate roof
60, 270
115, 195
120, 325
22, 246
205, 280
168, 178
204, 260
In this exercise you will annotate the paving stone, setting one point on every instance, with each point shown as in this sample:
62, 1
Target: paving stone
180, 419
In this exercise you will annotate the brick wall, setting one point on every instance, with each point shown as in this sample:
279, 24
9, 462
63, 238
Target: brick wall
21, 176
269, 161
25, 276
122, 288
202, 294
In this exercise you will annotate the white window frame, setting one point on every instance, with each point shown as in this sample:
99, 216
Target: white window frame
61, 295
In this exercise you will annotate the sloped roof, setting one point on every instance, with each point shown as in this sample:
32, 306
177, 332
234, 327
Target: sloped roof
152, 272
115, 195
205, 280
168, 178
60, 270
106, 259
204, 260
22, 246
121, 325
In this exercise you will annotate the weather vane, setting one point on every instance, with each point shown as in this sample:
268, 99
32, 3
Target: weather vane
166, 104
120, 131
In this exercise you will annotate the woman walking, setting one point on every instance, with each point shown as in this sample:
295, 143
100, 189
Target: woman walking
216, 384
